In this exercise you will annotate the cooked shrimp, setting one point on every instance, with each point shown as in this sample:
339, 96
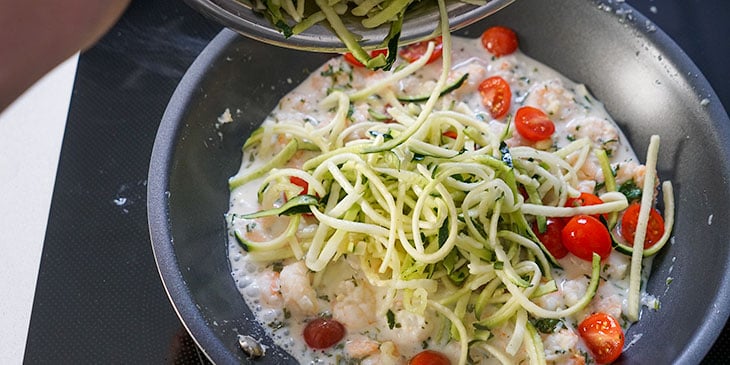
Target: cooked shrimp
630, 170
589, 172
387, 355
551, 301
296, 289
600, 132
269, 287
354, 305
477, 74
607, 301
553, 98
616, 268
573, 290
360, 347
265, 228
574, 359
558, 344
413, 329
518, 140
415, 87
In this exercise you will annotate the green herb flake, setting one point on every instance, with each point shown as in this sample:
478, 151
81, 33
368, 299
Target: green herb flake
631, 191
329, 72
390, 316
547, 325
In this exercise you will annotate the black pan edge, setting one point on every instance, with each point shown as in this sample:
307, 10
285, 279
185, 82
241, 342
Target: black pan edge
157, 205
714, 321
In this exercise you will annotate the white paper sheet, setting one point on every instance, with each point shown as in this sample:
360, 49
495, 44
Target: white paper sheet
31, 132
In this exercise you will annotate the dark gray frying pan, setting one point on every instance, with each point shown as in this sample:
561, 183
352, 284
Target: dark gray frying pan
647, 83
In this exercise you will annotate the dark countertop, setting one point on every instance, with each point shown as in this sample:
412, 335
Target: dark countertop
98, 297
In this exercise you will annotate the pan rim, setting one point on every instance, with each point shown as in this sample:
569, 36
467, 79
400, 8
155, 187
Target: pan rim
161, 161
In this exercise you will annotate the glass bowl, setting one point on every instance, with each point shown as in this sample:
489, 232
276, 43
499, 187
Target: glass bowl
420, 23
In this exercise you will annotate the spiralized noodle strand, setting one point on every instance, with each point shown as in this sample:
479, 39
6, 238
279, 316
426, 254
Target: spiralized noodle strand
637, 255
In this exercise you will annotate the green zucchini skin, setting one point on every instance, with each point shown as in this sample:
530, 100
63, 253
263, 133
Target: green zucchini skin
449, 88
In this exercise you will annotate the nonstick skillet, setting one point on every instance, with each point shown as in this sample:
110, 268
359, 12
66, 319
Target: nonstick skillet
646, 82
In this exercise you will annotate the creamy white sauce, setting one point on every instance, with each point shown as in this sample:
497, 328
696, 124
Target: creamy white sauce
342, 291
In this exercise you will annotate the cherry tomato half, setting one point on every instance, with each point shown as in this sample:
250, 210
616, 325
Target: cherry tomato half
583, 200
654, 230
552, 237
496, 96
350, 58
415, 51
300, 183
499, 40
583, 235
429, 357
450, 134
533, 124
603, 335
525, 196
321, 333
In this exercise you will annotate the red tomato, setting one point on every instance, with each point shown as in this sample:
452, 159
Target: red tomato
521, 189
451, 134
533, 124
654, 230
499, 41
429, 357
321, 333
603, 336
583, 235
552, 237
300, 183
350, 58
415, 51
496, 96
583, 200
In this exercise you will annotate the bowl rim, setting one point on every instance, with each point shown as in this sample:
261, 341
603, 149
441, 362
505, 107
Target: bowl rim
239, 17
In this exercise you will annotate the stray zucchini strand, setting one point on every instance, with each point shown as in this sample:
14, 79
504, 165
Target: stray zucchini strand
637, 256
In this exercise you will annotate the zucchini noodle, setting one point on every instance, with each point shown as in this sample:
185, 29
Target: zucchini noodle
668, 196
497, 353
288, 16
427, 203
652, 154
535, 350
463, 337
